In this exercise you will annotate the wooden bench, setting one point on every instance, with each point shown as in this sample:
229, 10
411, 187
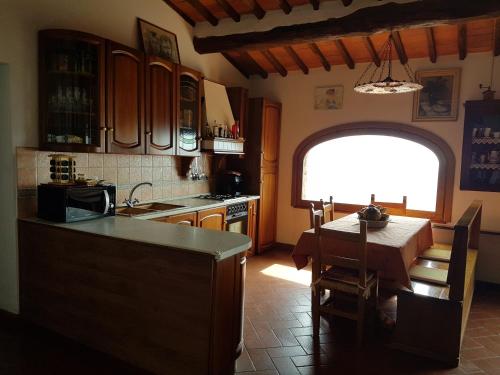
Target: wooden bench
431, 318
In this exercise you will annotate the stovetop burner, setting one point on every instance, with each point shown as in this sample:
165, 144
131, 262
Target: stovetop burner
219, 197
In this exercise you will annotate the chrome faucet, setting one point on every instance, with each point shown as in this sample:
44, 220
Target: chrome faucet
131, 201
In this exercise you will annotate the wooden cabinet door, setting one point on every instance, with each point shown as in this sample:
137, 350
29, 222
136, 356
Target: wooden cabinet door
125, 99
189, 112
188, 219
252, 224
161, 90
270, 142
214, 218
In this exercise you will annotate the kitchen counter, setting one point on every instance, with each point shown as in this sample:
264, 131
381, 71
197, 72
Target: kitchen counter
220, 245
191, 204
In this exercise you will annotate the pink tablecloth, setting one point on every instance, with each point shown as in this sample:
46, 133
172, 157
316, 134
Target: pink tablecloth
391, 250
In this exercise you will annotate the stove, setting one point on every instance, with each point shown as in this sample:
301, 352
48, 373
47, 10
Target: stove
220, 197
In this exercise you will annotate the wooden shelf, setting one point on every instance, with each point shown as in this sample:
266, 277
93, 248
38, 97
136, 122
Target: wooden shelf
69, 73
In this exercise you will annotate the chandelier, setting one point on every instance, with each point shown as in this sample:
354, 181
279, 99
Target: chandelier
377, 84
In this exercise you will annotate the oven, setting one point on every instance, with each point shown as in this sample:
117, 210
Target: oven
237, 217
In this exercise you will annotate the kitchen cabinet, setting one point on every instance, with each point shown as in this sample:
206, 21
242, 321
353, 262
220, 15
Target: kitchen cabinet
189, 112
125, 99
71, 91
214, 218
161, 120
252, 224
261, 165
182, 219
238, 99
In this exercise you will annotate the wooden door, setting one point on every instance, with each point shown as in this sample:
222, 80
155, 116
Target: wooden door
270, 142
125, 99
161, 89
189, 112
214, 218
188, 219
252, 224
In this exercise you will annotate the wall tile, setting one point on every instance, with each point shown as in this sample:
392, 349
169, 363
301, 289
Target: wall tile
26, 178
135, 160
82, 170
123, 161
96, 160
157, 191
146, 193
110, 161
43, 159
157, 174
146, 161
122, 195
167, 173
147, 174
167, 191
123, 176
26, 158
43, 175
135, 175
81, 160
110, 174
165, 161
157, 161
94, 172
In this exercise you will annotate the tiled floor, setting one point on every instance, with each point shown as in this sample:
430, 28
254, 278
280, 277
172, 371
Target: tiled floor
278, 332
277, 336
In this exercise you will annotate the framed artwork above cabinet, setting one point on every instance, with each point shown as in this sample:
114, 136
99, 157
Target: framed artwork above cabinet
481, 146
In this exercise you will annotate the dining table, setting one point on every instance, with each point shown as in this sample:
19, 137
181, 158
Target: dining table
391, 250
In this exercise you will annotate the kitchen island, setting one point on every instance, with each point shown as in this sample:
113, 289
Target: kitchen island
166, 298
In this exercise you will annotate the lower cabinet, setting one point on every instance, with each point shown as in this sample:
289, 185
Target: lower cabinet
182, 219
214, 218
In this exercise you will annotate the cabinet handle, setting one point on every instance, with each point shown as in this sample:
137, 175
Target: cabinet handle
148, 133
103, 128
111, 129
243, 260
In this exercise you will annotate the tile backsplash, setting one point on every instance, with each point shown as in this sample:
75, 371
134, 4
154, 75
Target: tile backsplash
123, 170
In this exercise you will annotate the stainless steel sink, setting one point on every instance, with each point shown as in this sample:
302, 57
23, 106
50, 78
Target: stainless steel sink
133, 211
156, 206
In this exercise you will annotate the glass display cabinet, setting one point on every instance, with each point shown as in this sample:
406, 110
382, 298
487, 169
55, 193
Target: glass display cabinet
71, 91
189, 114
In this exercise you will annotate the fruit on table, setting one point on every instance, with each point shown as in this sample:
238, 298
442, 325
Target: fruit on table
373, 213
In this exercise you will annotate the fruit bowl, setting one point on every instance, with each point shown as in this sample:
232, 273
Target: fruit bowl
375, 216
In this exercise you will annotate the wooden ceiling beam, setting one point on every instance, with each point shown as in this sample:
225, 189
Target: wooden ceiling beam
203, 11
400, 48
423, 13
230, 11
261, 71
345, 53
431, 44
462, 41
296, 58
256, 8
346, 2
236, 64
314, 47
315, 4
285, 6
496, 46
274, 62
371, 50
179, 11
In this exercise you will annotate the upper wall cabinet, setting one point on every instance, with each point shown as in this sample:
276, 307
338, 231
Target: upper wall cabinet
189, 114
125, 99
161, 93
71, 91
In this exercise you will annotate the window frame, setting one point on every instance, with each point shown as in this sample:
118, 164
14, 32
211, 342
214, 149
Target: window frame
441, 149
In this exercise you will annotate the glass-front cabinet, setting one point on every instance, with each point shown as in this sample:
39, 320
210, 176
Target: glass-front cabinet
189, 114
71, 73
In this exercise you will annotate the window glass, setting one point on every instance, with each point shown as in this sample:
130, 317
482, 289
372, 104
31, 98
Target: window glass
354, 167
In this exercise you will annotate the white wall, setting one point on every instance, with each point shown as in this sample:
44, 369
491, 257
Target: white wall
299, 120
113, 19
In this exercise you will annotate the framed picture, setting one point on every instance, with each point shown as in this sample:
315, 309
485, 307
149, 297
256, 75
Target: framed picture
158, 42
481, 146
438, 100
328, 97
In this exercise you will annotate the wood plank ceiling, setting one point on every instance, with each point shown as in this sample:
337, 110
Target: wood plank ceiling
460, 39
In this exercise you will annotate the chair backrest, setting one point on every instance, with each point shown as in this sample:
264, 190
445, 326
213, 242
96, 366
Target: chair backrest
322, 257
312, 213
328, 210
393, 208
466, 235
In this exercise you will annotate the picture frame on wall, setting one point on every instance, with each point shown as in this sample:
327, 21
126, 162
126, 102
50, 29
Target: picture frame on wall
158, 42
481, 146
328, 97
438, 100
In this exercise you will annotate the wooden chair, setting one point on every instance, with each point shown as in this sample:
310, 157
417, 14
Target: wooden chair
346, 275
431, 318
314, 212
392, 207
328, 210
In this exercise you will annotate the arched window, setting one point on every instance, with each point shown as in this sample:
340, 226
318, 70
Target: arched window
389, 160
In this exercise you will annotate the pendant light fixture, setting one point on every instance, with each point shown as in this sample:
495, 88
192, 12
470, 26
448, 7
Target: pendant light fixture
377, 84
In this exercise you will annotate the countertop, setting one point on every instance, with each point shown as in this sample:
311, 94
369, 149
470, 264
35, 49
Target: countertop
220, 245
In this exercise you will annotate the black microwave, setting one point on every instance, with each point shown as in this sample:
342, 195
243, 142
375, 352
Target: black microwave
75, 202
